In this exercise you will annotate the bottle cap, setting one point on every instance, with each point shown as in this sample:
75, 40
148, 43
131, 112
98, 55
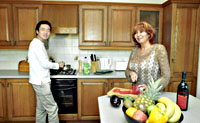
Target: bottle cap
184, 75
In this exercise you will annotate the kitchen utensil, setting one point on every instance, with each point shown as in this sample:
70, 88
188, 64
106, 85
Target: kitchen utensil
121, 92
95, 58
92, 57
99, 72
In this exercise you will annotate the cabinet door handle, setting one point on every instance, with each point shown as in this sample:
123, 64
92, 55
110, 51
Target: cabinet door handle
8, 84
2, 84
111, 85
105, 43
106, 84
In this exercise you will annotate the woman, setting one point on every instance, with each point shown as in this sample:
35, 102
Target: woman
147, 58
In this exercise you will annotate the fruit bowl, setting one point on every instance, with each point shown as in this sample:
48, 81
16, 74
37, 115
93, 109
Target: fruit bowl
131, 120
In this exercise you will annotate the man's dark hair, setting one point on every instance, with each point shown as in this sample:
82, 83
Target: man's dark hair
40, 23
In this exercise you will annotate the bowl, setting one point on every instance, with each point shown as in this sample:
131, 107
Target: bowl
131, 120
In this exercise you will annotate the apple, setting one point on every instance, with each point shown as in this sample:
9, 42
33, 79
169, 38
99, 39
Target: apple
140, 116
149, 108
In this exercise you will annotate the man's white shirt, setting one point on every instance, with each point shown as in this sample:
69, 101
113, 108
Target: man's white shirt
39, 63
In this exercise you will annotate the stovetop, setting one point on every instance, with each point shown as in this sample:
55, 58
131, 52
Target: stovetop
63, 72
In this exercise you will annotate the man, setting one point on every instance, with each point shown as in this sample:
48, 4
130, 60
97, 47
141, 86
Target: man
39, 66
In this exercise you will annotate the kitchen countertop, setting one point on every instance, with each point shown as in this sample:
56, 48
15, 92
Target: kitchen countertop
109, 114
4, 74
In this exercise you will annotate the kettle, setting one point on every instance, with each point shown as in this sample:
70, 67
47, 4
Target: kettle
105, 63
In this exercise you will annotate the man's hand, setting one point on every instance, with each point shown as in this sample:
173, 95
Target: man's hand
61, 64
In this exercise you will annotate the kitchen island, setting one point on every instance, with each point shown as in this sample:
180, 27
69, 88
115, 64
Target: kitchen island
109, 114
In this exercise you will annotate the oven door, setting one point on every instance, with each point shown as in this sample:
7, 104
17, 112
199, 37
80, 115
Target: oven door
65, 94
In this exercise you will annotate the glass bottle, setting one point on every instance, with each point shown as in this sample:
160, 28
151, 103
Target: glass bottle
183, 93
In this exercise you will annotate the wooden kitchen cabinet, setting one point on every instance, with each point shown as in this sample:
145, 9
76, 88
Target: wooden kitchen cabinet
106, 27
88, 92
154, 16
181, 37
61, 17
121, 83
3, 113
18, 23
5, 25
21, 100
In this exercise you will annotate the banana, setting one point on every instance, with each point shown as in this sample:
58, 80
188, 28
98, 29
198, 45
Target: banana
177, 114
170, 107
161, 106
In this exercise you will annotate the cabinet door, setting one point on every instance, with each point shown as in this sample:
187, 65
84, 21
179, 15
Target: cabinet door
120, 25
25, 18
121, 83
21, 100
92, 25
154, 16
2, 100
88, 92
5, 25
185, 43
61, 15
173, 85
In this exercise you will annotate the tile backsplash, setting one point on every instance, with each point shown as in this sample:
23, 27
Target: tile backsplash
61, 48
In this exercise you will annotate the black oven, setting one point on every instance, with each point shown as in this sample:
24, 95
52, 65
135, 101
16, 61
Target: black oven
64, 91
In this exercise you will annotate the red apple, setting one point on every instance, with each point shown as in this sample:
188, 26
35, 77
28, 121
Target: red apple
140, 116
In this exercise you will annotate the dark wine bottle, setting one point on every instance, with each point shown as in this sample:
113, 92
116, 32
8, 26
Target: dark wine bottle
183, 93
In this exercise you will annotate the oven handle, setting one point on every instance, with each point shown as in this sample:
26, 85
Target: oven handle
64, 89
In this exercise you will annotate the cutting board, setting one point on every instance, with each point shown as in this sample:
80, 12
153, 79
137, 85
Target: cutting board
113, 92
23, 66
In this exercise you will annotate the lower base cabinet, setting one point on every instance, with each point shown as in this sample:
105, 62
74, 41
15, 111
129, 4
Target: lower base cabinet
17, 100
88, 92
21, 100
3, 114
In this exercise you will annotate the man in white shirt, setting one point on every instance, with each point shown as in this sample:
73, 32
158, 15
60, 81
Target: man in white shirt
39, 66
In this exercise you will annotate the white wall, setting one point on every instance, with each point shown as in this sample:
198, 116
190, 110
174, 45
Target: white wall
62, 48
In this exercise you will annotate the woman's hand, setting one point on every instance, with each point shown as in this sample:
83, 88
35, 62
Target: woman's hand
133, 76
143, 86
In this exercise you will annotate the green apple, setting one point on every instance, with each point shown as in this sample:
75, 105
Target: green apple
149, 108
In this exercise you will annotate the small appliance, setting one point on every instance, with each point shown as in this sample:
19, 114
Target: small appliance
105, 63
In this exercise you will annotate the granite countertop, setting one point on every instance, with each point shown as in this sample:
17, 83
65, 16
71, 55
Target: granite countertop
15, 74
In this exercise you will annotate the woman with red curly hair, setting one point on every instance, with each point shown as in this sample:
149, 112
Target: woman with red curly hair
147, 58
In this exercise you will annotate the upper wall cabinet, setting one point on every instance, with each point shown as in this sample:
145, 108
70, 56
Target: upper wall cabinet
18, 23
64, 18
5, 25
106, 27
154, 16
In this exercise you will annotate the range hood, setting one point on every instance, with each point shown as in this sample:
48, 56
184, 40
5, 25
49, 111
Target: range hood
65, 30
